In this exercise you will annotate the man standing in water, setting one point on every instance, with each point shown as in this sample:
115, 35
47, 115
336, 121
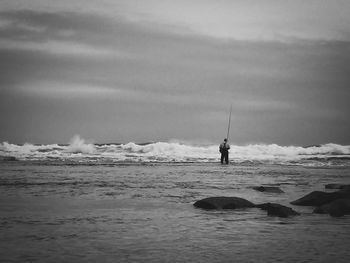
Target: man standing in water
224, 147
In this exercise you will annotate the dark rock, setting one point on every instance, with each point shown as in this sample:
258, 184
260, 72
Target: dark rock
323, 209
338, 207
315, 198
337, 186
8, 158
344, 193
274, 209
222, 202
269, 189
318, 198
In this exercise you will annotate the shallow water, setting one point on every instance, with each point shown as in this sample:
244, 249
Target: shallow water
54, 212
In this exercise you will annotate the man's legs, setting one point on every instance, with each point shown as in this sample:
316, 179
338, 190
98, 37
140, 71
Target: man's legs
226, 158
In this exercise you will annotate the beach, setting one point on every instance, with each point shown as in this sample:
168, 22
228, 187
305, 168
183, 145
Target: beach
143, 212
113, 113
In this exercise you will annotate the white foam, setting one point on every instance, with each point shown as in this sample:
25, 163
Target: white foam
30, 151
175, 151
78, 145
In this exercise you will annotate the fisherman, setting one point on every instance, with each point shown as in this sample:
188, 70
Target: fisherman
224, 147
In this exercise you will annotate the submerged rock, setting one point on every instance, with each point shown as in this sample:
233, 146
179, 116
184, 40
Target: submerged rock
274, 209
8, 158
223, 202
338, 207
269, 189
337, 186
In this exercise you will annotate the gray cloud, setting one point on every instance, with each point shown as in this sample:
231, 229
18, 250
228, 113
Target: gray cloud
155, 83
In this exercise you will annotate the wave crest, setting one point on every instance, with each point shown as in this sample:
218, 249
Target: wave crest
78, 145
176, 152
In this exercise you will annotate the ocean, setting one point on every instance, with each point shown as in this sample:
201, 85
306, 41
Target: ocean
84, 202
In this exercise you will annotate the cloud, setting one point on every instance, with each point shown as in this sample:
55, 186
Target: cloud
265, 105
172, 64
64, 90
269, 20
61, 48
59, 34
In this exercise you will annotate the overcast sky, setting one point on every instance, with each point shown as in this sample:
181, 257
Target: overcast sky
156, 70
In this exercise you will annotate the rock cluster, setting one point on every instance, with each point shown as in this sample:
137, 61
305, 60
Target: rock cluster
223, 202
334, 203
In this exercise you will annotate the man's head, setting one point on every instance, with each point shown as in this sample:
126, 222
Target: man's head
225, 140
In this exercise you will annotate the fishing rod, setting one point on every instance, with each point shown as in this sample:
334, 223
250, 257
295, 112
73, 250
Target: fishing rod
229, 124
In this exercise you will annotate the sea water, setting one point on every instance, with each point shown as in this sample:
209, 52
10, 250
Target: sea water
118, 203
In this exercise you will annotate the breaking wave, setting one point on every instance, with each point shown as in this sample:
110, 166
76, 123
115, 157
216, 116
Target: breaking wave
78, 149
78, 145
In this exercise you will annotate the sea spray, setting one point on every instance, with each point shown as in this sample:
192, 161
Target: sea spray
78, 145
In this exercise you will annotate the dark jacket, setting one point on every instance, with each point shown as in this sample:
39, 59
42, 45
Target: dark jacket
224, 147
